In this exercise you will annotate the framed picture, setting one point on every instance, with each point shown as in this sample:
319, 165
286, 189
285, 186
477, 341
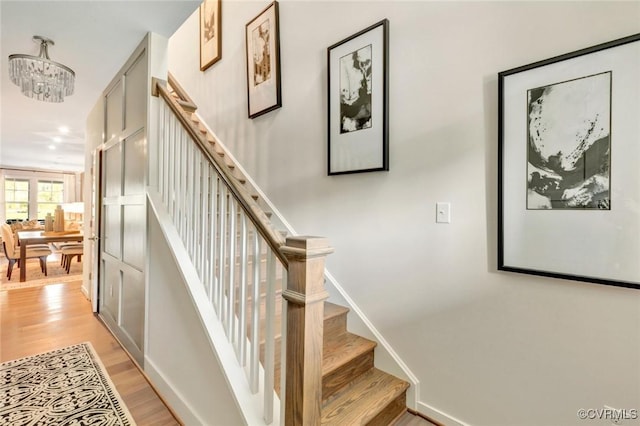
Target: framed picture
357, 100
263, 62
210, 33
568, 178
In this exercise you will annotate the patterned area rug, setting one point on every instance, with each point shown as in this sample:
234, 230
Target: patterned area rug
35, 278
68, 386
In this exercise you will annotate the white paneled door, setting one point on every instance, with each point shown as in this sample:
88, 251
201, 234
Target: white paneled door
123, 204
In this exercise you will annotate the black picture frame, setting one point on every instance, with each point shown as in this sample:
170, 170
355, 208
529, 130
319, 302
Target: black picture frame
358, 96
568, 176
262, 36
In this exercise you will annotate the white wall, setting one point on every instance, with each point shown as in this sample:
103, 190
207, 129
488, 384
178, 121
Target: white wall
489, 348
178, 357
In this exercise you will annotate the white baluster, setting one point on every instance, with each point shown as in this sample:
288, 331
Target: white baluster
221, 247
254, 359
197, 203
231, 299
213, 231
161, 144
205, 234
242, 296
269, 338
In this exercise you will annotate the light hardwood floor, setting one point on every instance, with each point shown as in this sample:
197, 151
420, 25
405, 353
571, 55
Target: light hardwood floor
41, 319
409, 419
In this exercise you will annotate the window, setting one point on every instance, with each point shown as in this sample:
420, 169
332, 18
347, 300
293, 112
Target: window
16, 197
30, 195
50, 195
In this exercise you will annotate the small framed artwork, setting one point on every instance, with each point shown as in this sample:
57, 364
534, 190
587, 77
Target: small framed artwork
210, 33
568, 175
263, 62
358, 134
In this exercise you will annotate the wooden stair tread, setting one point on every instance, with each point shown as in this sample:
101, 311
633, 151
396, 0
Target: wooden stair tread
361, 402
332, 310
341, 349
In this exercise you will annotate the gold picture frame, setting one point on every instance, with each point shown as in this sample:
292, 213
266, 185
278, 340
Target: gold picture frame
210, 33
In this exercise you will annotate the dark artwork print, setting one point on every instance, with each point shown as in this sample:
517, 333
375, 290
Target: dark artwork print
355, 90
261, 54
568, 158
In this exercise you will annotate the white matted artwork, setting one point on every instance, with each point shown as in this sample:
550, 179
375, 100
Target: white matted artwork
263, 62
210, 33
357, 99
569, 181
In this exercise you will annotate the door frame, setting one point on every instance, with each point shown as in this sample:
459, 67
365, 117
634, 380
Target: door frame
95, 227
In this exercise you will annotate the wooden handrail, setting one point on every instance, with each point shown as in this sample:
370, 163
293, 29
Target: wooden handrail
304, 260
180, 91
260, 220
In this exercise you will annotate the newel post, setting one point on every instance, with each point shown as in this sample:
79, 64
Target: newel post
305, 295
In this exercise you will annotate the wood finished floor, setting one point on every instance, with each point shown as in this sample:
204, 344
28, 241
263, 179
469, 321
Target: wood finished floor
409, 419
41, 319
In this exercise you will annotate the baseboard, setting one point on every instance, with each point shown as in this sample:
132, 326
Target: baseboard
187, 413
438, 417
85, 292
142, 371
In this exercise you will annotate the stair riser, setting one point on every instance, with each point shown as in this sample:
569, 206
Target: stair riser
335, 326
391, 412
338, 379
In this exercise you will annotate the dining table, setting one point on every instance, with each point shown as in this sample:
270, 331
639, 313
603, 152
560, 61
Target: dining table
26, 238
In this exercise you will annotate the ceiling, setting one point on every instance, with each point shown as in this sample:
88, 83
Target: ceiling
94, 38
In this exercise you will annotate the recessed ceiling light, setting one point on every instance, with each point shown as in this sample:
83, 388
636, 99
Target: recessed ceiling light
52, 147
57, 139
63, 129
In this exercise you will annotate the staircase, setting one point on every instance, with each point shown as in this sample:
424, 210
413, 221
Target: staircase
353, 391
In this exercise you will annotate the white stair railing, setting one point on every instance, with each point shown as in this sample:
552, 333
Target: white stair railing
240, 270
238, 262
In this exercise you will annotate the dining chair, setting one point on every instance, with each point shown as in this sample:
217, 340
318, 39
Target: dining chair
62, 246
68, 253
13, 254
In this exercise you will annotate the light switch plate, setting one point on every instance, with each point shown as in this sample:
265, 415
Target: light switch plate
443, 212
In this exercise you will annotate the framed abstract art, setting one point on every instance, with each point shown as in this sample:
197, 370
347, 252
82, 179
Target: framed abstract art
358, 128
263, 62
569, 181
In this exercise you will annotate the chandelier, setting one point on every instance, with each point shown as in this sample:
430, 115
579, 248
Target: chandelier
39, 77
